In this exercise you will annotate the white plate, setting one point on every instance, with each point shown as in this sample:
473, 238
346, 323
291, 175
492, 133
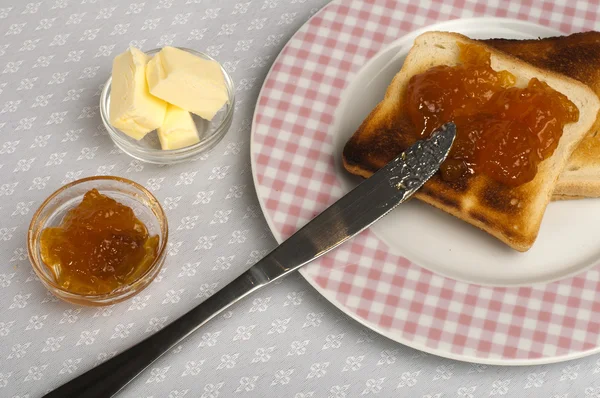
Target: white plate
295, 150
569, 239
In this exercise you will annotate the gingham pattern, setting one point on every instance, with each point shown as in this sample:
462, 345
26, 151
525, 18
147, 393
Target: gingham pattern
294, 165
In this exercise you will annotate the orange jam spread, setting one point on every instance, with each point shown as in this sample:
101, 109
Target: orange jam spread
502, 131
99, 247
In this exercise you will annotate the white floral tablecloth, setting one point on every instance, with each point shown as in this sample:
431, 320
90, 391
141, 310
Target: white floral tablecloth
285, 341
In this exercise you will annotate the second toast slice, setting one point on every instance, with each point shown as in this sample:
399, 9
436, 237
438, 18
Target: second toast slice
512, 214
576, 56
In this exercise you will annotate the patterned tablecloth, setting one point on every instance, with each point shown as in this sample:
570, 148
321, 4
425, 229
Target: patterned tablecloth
285, 341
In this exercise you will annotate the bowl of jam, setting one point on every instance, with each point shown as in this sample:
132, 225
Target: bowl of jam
98, 240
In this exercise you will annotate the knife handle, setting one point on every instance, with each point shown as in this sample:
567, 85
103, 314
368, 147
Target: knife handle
111, 376
351, 214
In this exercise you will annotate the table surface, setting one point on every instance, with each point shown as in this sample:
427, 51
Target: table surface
286, 340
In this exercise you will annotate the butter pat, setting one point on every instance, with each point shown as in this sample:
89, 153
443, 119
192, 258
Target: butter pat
190, 82
178, 129
132, 109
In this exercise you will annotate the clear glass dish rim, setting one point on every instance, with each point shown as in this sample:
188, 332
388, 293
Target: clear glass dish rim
174, 155
37, 267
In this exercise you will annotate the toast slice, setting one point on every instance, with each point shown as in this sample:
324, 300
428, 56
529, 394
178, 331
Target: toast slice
576, 56
511, 214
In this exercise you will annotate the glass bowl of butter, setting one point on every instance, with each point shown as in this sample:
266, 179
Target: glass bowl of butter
167, 105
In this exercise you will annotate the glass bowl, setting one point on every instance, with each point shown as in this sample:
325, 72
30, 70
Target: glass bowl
145, 206
148, 148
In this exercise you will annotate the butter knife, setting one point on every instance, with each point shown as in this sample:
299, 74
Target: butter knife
361, 207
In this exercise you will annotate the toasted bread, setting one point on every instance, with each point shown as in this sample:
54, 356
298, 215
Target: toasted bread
576, 56
511, 214
556, 197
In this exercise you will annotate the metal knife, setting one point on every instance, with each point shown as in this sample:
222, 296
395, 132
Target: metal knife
361, 207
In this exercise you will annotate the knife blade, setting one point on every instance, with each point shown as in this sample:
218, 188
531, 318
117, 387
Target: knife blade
361, 207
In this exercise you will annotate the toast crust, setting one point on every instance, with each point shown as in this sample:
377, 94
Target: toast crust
511, 214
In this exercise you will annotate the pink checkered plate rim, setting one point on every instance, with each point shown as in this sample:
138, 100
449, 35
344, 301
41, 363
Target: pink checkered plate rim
539, 316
